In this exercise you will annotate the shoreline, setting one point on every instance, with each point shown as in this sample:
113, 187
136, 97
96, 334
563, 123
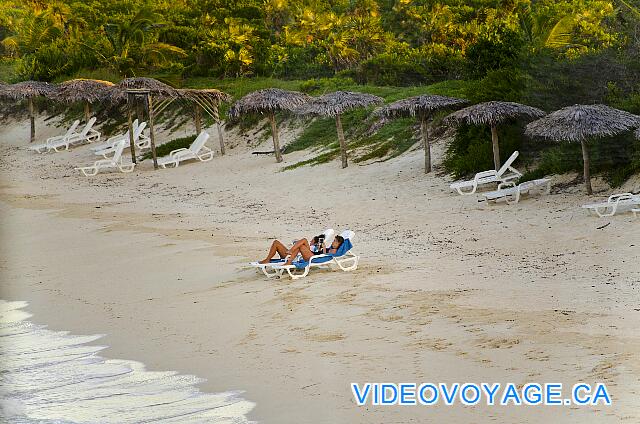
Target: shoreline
447, 290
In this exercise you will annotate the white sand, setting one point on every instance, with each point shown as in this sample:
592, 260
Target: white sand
448, 290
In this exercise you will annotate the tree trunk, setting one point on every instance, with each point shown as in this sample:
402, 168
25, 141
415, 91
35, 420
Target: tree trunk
216, 117
496, 147
587, 173
343, 143
427, 146
87, 112
152, 135
198, 119
274, 136
32, 120
132, 145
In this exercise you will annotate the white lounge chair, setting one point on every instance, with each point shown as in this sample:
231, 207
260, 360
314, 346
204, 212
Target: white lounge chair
511, 192
635, 212
110, 149
114, 139
114, 162
197, 150
345, 259
614, 202
269, 270
40, 148
505, 173
88, 134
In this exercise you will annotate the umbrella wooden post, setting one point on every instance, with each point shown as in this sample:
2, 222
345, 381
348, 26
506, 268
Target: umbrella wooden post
216, 117
32, 121
427, 146
496, 147
198, 119
152, 137
132, 145
343, 143
587, 173
220, 138
274, 136
87, 112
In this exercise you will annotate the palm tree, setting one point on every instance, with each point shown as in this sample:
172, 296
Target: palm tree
33, 30
134, 43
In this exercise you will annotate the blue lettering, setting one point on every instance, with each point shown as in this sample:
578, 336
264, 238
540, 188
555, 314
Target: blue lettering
576, 394
361, 398
552, 397
408, 394
490, 391
384, 390
434, 394
510, 394
532, 398
448, 397
463, 394
601, 392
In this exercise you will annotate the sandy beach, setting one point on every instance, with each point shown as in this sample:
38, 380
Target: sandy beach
448, 289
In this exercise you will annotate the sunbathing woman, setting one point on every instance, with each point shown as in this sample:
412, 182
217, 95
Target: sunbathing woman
303, 247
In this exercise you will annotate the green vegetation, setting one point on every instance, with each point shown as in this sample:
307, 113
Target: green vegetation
176, 143
546, 53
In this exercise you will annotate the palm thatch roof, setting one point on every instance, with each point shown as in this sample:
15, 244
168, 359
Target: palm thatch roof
268, 100
581, 122
26, 89
210, 94
418, 105
83, 90
155, 87
338, 102
493, 113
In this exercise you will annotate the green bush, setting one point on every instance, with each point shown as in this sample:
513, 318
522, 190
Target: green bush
616, 158
504, 84
166, 148
471, 149
499, 48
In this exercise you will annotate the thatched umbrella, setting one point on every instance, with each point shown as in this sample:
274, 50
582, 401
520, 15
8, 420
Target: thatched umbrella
581, 123
88, 91
209, 100
493, 114
28, 90
421, 107
269, 101
335, 104
147, 88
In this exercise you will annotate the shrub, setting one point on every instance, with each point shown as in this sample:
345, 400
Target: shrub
471, 150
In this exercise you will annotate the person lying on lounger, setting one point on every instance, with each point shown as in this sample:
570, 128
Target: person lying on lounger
303, 247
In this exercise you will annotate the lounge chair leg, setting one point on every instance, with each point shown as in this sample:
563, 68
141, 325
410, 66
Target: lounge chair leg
463, 193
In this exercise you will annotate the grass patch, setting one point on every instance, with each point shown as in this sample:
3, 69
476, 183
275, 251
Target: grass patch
166, 148
8, 70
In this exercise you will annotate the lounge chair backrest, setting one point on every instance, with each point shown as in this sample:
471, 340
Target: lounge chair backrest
508, 163
118, 152
199, 142
138, 131
72, 128
88, 127
347, 235
329, 233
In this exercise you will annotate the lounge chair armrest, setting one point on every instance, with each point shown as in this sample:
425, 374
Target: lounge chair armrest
618, 197
484, 174
173, 152
318, 257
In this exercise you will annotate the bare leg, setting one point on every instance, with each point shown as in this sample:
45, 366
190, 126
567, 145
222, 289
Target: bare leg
276, 247
303, 249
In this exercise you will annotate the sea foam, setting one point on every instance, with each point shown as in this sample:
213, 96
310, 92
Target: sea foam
49, 377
